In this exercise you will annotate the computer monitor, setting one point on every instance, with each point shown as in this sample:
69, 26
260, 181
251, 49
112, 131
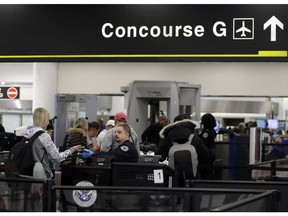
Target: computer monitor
261, 123
282, 125
218, 126
273, 123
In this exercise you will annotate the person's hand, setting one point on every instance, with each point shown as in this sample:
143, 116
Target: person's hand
78, 148
90, 145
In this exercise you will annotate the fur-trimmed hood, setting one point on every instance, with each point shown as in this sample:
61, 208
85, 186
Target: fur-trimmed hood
179, 131
76, 130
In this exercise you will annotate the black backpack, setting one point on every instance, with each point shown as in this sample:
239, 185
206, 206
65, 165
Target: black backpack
20, 158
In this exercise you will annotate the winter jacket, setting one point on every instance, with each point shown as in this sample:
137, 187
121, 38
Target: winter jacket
208, 137
151, 134
179, 132
76, 136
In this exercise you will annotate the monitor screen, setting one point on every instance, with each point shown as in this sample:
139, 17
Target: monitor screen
273, 123
281, 124
218, 126
261, 123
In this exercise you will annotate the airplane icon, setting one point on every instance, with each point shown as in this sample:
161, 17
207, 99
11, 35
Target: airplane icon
243, 29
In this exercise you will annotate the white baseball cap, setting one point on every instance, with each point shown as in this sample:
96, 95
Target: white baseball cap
110, 122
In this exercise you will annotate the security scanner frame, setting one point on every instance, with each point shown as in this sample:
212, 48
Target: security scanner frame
67, 110
143, 100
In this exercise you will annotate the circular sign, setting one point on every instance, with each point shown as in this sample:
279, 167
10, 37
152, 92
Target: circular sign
84, 198
12, 92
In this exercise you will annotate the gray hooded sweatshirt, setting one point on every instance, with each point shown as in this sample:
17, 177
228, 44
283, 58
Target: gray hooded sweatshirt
44, 147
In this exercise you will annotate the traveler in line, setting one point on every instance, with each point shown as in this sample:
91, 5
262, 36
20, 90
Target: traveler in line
110, 142
102, 124
44, 145
151, 134
208, 135
92, 134
184, 124
99, 140
77, 135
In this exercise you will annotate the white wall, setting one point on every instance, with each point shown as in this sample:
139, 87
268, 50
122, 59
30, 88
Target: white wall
16, 72
19, 73
246, 79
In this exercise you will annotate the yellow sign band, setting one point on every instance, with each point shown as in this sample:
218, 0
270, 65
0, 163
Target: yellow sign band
261, 54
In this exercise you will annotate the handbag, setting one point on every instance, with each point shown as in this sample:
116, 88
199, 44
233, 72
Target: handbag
38, 171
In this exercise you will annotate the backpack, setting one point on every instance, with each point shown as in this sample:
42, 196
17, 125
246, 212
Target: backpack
20, 158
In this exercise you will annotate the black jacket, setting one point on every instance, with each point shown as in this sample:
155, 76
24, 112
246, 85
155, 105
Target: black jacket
126, 152
180, 132
151, 134
208, 137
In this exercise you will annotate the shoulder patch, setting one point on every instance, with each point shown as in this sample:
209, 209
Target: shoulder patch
205, 135
124, 148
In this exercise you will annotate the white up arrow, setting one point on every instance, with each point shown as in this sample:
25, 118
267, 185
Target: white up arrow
273, 22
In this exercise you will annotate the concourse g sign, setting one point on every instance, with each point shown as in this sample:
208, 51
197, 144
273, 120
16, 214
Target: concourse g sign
107, 33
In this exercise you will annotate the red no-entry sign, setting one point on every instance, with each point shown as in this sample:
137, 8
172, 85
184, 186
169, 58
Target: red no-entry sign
12, 92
